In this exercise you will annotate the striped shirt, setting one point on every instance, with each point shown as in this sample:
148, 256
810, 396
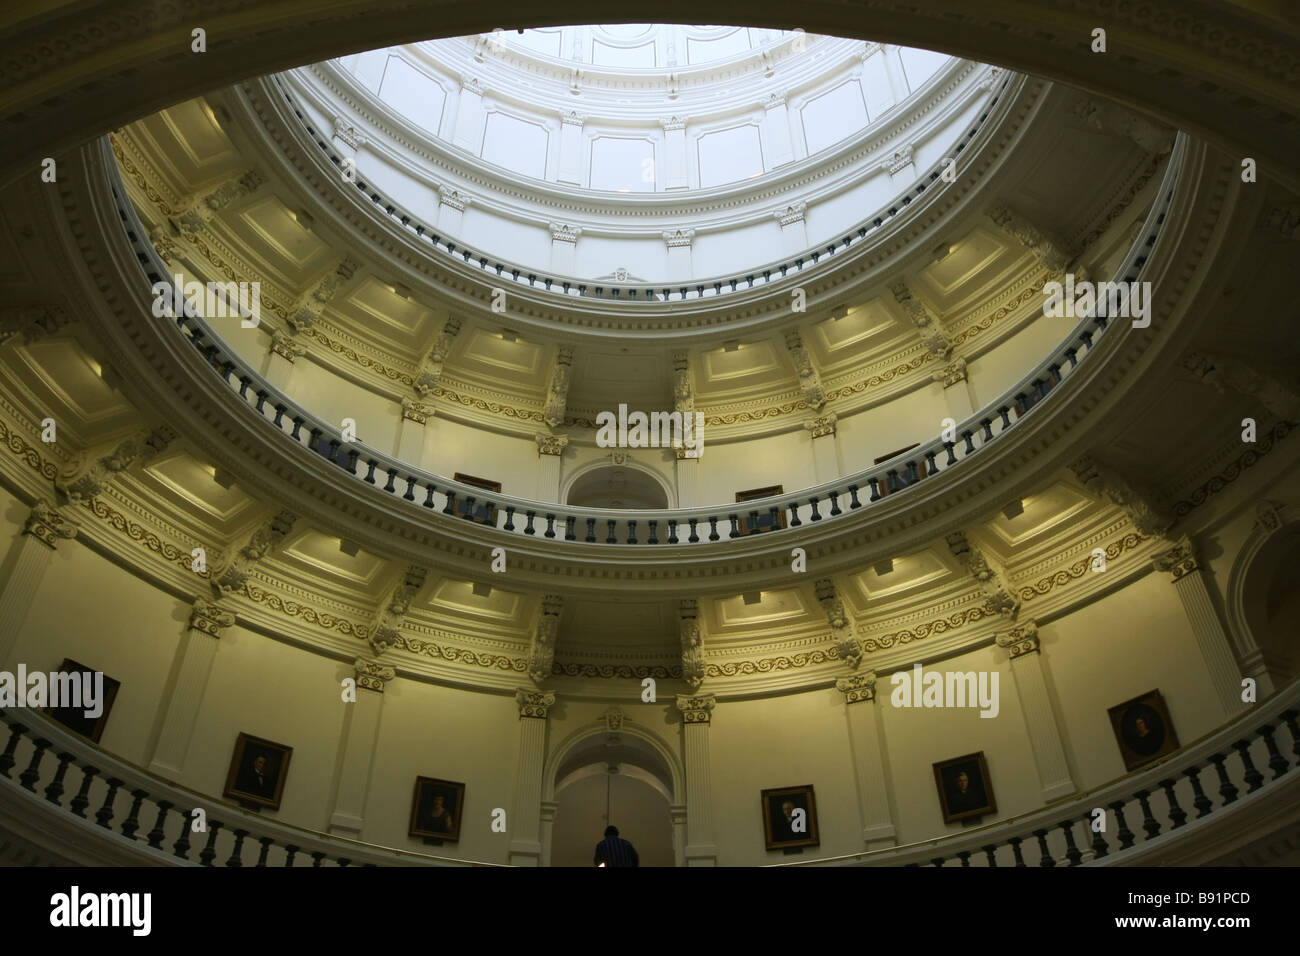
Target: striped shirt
615, 851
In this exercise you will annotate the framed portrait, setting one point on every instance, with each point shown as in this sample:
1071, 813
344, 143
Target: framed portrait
436, 809
479, 512
74, 718
790, 818
760, 521
965, 790
258, 769
1143, 729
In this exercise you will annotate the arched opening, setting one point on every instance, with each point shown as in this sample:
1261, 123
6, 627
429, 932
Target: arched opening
617, 486
1271, 598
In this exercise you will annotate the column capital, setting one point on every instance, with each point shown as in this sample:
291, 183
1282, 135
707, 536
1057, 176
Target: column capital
899, 158
372, 675
47, 524
284, 345
533, 703
1020, 640
209, 618
1180, 560
678, 237
696, 708
415, 411
790, 214
573, 118
1268, 516
670, 123
950, 374
858, 687
345, 130
454, 198
564, 232
822, 425
551, 444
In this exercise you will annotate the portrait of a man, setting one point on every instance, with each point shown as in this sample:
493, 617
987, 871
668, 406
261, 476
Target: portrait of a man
258, 769
436, 809
74, 717
790, 818
1143, 729
964, 789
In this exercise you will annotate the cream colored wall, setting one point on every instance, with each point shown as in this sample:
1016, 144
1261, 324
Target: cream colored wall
785, 459
450, 447
332, 398
913, 418
637, 809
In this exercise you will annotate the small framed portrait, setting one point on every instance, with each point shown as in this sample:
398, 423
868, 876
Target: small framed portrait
258, 769
790, 818
91, 699
965, 790
436, 809
1143, 729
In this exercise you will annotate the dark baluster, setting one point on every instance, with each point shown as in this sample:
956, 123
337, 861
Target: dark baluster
990, 852
528, 527
755, 527
410, 489
392, 476
1005, 412
964, 856
875, 489
1044, 854
82, 799
1072, 852
835, 503
937, 861
1226, 789
1015, 850
279, 415
181, 847
631, 531
1149, 824
29, 776
891, 480
449, 507
55, 789
132, 821
654, 532
713, 527
568, 528
930, 466
853, 497
343, 860
1201, 802
298, 422
610, 536
1254, 779
952, 457
290, 852
550, 527
316, 857
1126, 837
7, 758
1176, 813
735, 525
370, 472
160, 825
794, 514
470, 502
266, 849
672, 531
353, 455
510, 518
239, 846
970, 445
1276, 762
262, 396
1290, 718
210, 848
694, 537
428, 496
913, 476
815, 515
591, 531
105, 812
1099, 846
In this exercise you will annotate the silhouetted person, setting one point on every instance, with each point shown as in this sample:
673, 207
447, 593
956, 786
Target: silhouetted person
615, 851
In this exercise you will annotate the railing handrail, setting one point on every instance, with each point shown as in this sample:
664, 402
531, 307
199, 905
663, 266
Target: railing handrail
977, 428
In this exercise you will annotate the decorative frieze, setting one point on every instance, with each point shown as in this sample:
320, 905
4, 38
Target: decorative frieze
47, 524
209, 618
857, 688
371, 675
551, 444
696, 708
1021, 639
534, 703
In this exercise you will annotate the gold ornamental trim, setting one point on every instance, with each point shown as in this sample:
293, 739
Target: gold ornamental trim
1223, 479
1078, 569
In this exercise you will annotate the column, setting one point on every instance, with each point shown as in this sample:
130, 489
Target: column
677, 813
548, 827
31, 557
956, 389
451, 210
193, 665
894, 71
526, 845
469, 116
697, 714
410, 436
1216, 651
826, 456
868, 759
777, 143
280, 360
564, 248
675, 162
550, 452
1022, 644
688, 480
794, 234
570, 162
680, 268
360, 734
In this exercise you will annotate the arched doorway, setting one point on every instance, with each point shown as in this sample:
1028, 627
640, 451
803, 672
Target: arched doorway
620, 775
1270, 600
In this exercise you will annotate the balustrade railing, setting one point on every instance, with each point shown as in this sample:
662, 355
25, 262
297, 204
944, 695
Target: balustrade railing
686, 526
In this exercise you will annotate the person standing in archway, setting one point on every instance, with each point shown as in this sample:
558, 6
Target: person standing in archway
615, 851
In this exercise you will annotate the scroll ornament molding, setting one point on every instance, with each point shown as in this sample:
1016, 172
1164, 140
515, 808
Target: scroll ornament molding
426, 382
810, 383
950, 374
997, 597
534, 703
1020, 640
696, 708
200, 210
372, 675
613, 719
931, 332
557, 391
1105, 483
857, 688
307, 308
209, 618
30, 323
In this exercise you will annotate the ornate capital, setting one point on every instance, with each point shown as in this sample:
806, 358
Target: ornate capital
822, 425
670, 123
372, 675
1179, 560
209, 618
453, 198
1268, 516
789, 215
858, 687
678, 237
696, 708
1022, 639
563, 232
897, 160
47, 524
283, 345
572, 118
414, 411
347, 132
551, 444
952, 373
534, 703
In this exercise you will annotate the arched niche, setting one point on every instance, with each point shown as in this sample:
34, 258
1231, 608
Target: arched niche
627, 485
1263, 598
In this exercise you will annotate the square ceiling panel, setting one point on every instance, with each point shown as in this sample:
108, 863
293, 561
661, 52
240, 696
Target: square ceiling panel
1044, 514
457, 599
190, 135
910, 574
319, 553
976, 262
293, 248
863, 330
786, 607
192, 484
61, 370
375, 306
491, 355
